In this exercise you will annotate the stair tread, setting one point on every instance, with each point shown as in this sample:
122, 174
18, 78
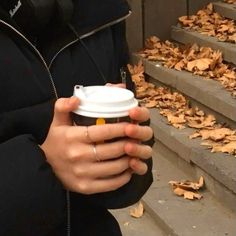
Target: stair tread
137, 226
206, 91
206, 217
188, 36
225, 9
218, 165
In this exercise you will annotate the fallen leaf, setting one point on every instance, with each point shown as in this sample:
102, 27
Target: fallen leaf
227, 148
191, 195
195, 135
200, 64
176, 119
216, 134
187, 189
137, 211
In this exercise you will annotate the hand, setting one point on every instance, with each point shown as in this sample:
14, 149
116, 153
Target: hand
71, 152
141, 133
139, 115
120, 85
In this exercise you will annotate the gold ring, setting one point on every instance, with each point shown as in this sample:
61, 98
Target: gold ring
95, 153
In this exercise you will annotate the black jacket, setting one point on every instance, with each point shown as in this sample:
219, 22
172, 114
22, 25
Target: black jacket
32, 73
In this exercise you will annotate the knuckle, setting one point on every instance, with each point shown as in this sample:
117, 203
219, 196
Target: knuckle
79, 171
69, 136
83, 187
71, 155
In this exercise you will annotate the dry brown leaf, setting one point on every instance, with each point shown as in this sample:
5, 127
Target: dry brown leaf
191, 195
230, 1
208, 121
137, 211
178, 126
211, 23
195, 135
229, 148
179, 191
187, 189
200, 64
188, 185
176, 119
216, 134
231, 137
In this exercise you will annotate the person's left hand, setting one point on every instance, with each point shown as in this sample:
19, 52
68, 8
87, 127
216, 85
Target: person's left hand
139, 134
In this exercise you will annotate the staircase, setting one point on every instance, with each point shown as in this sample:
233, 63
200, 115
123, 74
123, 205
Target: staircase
176, 157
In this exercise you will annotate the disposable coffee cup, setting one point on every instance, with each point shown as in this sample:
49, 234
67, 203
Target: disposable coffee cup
102, 105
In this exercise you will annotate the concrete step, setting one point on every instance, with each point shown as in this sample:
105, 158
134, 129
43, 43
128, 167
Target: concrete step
217, 168
207, 94
185, 36
130, 226
180, 217
225, 9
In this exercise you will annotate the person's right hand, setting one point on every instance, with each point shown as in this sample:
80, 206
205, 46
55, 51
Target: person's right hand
70, 152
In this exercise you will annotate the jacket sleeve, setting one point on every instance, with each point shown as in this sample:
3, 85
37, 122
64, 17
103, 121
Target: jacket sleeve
30, 194
31, 197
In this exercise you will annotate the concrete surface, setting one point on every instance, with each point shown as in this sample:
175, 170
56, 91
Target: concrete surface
130, 226
205, 217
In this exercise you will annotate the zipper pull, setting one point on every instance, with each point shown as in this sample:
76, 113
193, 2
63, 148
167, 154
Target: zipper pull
123, 75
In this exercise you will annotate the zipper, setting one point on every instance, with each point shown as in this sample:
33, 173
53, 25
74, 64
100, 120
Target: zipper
38, 53
87, 35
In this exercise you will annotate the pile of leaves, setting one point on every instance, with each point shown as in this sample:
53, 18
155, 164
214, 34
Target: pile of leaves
187, 189
230, 1
202, 61
211, 23
175, 107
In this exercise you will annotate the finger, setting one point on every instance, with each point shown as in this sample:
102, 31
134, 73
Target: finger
111, 184
100, 133
140, 114
138, 150
108, 151
142, 133
138, 167
104, 169
62, 109
95, 152
120, 85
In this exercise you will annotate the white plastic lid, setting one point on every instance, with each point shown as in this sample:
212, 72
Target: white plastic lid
104, 101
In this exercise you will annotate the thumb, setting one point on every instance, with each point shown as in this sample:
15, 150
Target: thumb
62, 109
